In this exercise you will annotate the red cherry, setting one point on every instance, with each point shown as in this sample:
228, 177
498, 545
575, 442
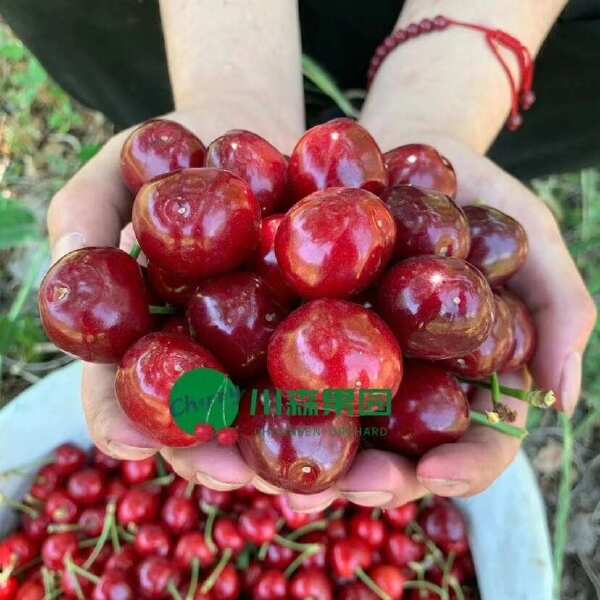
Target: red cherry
271, 585
72, 583
429, 409
135, 472
279, 449
67, 459
337, 529
137, 506
494, 351
311, 583
234, 316
86, 487
124, 560
9, 588
158, 147
279, 557
197, 222
445, 525
348, 555
93, 304
216, 498
57, 547
228, 436
103, 461
401, 516
113, 585
333, 344
356, 591
265, 265
390, 579
228, 585
400, 549
334, 154
17, 550
60, 508
524, 333
335, 243
170, 287
47, 480
204, 432
176, 325
427, 222
257, 162
318, 560
154, 576
91, 521
152, 540
437, 307
257, 526
293, 519
421, 165
498, 243
115, 489
31, 590
367, 528
251, 576
145, 377
190, 546
180, 515
227, 535
35, 527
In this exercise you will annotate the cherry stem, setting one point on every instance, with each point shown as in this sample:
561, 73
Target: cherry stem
212, 578
20, 506
135, 250
128, 537
63, 527
425, 585
376, 514
262, 551
360, 573
211, 511
75, 568
495, 388
6, 574
24, 470
319, 525
161, 310
446, 570
162, 480
103, 537
292, 545
311, 550
160, 465
48, 582
537, 398
114, 536
172, 589
189, 489
193, 580
23, 568
480, 419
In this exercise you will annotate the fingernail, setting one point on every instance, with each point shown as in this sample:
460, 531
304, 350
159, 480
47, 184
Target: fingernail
67, 243
263, 486
215, 484
446, 487
126, 452
369, 498
570, 382
310, 509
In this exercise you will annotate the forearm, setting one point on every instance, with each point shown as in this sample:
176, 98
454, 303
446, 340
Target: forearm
238, 63
449, 83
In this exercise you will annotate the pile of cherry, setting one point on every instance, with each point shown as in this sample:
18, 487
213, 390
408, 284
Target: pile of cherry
92, 527
317, 272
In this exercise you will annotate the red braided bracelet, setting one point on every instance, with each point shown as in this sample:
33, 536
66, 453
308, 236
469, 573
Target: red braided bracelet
522, 94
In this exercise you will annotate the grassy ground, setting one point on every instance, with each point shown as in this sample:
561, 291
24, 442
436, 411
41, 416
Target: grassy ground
45, 137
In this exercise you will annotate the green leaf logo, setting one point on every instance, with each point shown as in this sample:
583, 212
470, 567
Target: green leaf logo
204, 396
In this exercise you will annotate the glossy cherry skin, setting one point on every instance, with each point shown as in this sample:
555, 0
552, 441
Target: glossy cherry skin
437, 307
356, 591
235, 316
258, 526
365, 527
93, 304
421, 165
311, 583
279, 557
216, 498
86, 486
335, 243
427, 222
445, 525
228, 586
113, 585
498, 243
400, 517
35, 527
271, 585
334, 344
17, 550
46, 481
275, 447
192, 546
197, 223
390, 579
347, 555
123, 560
9, 588
227, 535
257, 162
135, 472
524, 332
170, 287
265, 264
158, 147
152, 540
57, 547
68, 458
137, 506
492, 354
429, 409
145, 377
30, 590
61, 508
339, 153
91, 521
400, 550
180, 515
103, 461
154, 575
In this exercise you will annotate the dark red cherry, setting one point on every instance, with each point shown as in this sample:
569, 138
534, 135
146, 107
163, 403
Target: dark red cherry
421, 165
356, 591
152, 540
61, 508
524, 332
348, 555
135, 472
177, 325
335, 243
9, 588
197, 223
17, 550
192, 546
427, 222
137, 506
257, 162
494, 351
318, 560
365, 527
227, 535
47, 480
429, 409
123, 560
215, 498
86, 486
68, 458
154, 576
445, 525
293, 519
180, 515
334, 344
103, 461
91, 521
279, 449
72, 583
271, 585
228, 586
390, 579
235, 316
35, 527
170, 287
437, 307
258, 526
279, 557
158, 147
339, 153
145, 377
498, 243
93, 304
311, 583
113, 585
400, 550
57, 547
402, 516
265, 264
337, 529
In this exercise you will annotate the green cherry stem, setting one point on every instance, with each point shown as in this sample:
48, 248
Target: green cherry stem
360, 573
172, 589
319, 525
75, 568
135, 250
292, 545
161, 310
104, 535
310, 550
212, 578
212, 512
425, 585
537, 398
262, 551
20, 506
481, 419
193, 580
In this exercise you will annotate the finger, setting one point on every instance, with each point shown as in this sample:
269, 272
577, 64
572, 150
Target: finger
265, 487
379, 478
309, 503
109, 427
217, 467
472, 464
